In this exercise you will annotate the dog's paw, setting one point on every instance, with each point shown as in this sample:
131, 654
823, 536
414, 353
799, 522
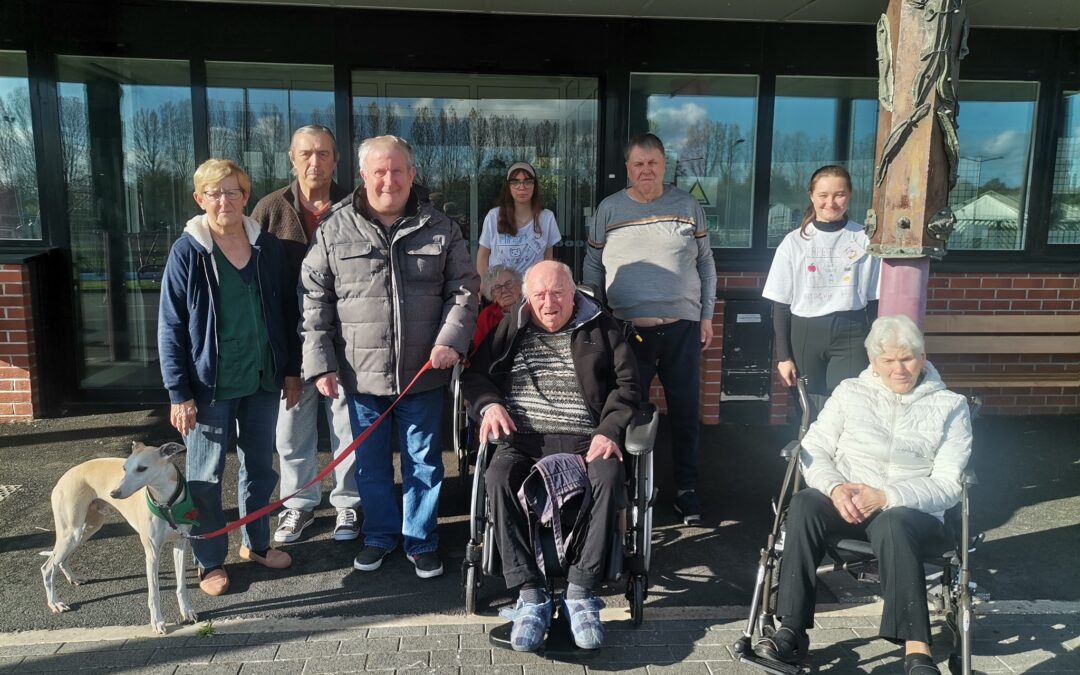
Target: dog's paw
188, 617
76, 581
58, 607
158, 626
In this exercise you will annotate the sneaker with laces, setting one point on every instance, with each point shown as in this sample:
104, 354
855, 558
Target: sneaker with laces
688, 506
347, 527
291, 524
370, 558
427, 564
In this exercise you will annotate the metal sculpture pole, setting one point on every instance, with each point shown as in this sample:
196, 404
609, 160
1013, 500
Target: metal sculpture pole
920, 44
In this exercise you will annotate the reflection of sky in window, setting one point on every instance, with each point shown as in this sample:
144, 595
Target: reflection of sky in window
997, 129
672, 117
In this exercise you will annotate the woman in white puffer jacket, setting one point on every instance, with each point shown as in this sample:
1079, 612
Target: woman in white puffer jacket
883, 461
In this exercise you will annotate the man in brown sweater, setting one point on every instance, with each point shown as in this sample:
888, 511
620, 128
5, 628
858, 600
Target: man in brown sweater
292, 214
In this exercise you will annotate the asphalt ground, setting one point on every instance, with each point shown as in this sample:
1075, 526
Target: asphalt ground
1028, 502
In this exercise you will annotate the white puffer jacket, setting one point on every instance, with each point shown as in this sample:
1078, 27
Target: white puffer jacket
913, 446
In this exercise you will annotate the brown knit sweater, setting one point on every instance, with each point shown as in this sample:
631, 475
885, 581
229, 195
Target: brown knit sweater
279, 214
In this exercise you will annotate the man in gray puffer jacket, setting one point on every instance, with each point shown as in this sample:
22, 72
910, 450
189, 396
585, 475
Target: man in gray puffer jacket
387, 286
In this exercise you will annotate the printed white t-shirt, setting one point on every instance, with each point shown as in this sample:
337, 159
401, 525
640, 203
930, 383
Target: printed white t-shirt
522, 250
824, 272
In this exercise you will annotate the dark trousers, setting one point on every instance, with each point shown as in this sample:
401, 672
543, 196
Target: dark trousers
897, 536
829, 349
588, 551
673, 352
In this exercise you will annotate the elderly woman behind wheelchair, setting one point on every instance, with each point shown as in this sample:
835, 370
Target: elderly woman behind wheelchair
502, 286
883, 462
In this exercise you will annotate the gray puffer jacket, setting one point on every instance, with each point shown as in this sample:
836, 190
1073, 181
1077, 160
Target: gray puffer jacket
376, 300
914, 446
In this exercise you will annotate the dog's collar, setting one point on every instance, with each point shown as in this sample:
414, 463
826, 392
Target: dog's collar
177, 510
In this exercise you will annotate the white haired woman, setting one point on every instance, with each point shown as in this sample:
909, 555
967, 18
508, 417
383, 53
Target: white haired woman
883, 461
502, 286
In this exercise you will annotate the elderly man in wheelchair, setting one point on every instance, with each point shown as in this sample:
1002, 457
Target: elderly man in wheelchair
559, 376
883, 462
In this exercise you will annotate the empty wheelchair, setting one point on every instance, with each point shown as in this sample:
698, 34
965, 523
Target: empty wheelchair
631, 543
952, 588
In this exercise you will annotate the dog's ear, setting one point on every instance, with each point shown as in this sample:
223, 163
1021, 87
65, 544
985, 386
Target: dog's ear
170, 449
136, 446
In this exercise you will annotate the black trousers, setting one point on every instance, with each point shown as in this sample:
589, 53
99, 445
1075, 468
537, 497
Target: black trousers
829, 349
588, 552
897, 535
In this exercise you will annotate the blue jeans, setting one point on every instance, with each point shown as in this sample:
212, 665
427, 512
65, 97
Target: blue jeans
250, 421
673, 352
418, 418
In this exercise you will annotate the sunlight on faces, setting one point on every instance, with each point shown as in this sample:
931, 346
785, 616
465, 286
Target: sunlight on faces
506, 291
898, 369
550, 292
830, 198
388, 180
223, 212
313, 158
645, 168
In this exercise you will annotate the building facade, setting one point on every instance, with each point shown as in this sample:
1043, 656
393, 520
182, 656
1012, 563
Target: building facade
106, 108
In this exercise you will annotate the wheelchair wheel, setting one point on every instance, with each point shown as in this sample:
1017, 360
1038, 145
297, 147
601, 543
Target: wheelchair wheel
635, 593
470, 589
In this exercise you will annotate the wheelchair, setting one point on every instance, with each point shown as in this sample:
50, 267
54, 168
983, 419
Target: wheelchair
630, 551
952, 598
461, 430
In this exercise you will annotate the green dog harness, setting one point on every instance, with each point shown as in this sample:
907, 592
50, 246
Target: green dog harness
182, 512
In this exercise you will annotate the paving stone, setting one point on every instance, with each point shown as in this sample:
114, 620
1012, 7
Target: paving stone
30, 649
9, 664
688, 668
277, 637
507, 657
725, 637
246, 653
338, 635
703, 653
336, 664
554, 669
442, 670
458, 629
844, 621
89, 646
396, 660
158, 642
461, 657
492, 670
1026, 659
614, 667
218, 640
115, 658
1061, 663
476, 641
427, 643
726, 668
396, 631
640, 654
178, 655
304, 650
205, 669
274, 668
727, 624
369, 645
826, 636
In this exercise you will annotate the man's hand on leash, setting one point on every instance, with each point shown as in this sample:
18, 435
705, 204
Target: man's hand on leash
291, 391
496, 423
444, 357
602, 447
327, 385
182, 416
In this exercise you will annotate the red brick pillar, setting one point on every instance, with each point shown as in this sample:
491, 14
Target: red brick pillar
18, 359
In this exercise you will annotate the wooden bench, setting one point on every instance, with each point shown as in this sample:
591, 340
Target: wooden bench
1006, 334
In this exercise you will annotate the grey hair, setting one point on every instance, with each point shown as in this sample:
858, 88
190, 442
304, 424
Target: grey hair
646, 141
892, 332
313, 130
562, 266
388, 140
492, 275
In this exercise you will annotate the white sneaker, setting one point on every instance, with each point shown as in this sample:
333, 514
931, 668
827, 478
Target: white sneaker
347, 527
291, 524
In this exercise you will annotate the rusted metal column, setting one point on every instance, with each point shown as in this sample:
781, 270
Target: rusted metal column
920, 44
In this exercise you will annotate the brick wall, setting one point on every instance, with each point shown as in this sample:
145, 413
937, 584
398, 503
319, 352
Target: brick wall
956, 293
18, 366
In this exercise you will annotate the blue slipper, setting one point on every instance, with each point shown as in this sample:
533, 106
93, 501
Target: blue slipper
585, 623
530, 624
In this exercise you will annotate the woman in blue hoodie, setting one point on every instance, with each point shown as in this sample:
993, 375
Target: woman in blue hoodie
226, 338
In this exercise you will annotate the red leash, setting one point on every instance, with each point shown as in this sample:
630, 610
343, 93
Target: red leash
269, 508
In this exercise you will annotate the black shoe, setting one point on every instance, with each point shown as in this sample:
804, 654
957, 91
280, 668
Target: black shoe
919, 664
427, 564
785, 645
370, 558
688, 506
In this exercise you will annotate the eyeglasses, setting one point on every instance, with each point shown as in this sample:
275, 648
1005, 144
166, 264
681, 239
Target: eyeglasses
527, 182
506, 286
231, 195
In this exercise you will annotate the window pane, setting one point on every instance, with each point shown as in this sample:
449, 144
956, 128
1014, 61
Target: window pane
253, 110
128, 157
707, 125
820, 121
19, 217
466, 130
1065, 200
990, 198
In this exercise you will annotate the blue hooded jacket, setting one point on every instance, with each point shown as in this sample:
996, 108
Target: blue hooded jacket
187, 325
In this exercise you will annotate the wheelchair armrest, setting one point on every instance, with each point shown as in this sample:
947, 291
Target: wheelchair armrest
968, 478
790, 450
641, 434
505, 439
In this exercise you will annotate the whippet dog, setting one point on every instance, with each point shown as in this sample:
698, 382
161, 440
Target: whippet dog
144, 483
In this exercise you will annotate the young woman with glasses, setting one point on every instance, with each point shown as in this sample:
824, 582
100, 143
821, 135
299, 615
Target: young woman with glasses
519, 232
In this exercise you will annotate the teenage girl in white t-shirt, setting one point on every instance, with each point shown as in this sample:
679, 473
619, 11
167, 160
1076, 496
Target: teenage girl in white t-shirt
519, 232
824, 288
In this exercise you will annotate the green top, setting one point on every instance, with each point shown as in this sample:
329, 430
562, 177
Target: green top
183, 512
245, 362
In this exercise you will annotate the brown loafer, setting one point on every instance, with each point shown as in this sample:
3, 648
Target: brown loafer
274, 559
216, 582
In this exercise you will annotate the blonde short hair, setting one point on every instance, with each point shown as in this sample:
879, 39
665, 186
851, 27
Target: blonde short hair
214, 170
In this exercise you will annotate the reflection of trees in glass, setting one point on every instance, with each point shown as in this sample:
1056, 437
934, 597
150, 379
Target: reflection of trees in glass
18, 169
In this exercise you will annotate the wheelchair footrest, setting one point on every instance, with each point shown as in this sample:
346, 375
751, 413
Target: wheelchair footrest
770, 666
